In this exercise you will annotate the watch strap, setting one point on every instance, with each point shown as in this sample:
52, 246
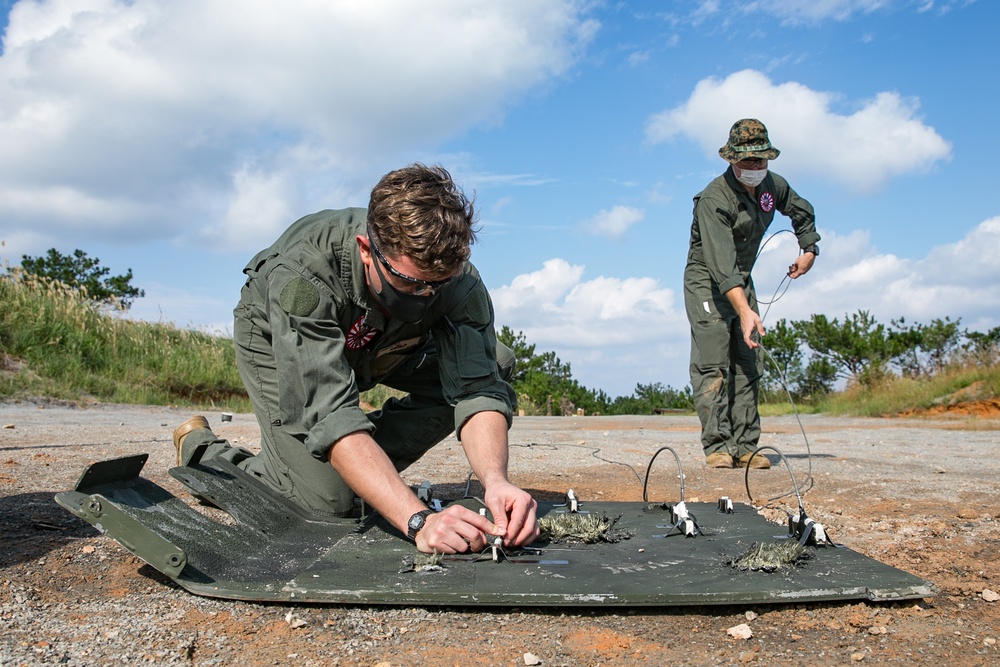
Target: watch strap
411, 531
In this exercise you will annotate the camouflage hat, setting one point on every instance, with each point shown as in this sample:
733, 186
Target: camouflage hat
748, 140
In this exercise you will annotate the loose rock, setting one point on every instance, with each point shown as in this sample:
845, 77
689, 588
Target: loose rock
741, 631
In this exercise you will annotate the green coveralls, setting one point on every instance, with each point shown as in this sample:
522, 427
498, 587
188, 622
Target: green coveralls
309, 337
726, 234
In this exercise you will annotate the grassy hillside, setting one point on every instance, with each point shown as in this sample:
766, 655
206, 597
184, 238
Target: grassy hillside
55, 342
957, 386
969, 389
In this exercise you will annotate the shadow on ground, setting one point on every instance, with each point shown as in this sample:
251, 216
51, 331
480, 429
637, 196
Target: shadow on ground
32, 525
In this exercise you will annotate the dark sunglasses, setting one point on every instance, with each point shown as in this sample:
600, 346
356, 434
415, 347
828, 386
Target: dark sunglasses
403, 276
752, 163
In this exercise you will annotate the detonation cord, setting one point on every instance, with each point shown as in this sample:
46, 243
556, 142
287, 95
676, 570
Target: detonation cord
680, 472
785, 280
594, 451
809, 480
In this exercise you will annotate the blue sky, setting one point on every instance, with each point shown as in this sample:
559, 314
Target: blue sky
178, 137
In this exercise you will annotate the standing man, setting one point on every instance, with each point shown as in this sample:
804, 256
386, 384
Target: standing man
348, 299
730, 218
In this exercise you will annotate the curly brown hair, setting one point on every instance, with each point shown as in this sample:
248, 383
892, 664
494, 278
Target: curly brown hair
420, 213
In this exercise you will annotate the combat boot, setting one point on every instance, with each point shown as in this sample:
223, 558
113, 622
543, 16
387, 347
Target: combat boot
185, 427
718, 460
760, 461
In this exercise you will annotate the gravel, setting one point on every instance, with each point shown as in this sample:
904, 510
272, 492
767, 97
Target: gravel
918, 494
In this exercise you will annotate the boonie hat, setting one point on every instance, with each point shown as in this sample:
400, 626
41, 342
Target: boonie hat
747, 141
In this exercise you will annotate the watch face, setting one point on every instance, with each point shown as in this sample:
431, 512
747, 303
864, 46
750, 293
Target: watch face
416, 521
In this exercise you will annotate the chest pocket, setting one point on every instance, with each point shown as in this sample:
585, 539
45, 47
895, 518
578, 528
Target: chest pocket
388, 358
743, 226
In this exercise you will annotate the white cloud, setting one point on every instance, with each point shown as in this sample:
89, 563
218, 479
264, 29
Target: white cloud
258, 209
614, 222
952, 280
613, 331
540, 289
881, 139
726, 13
792, 12
637, 58
970, 261
147, 113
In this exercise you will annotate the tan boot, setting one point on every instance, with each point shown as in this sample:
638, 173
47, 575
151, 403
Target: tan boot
185, 427
718, 460
759, 461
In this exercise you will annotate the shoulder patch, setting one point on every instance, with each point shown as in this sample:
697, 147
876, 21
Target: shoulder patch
298, 297
478, 306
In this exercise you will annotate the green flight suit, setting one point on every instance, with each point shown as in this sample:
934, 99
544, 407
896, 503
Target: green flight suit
728, 228
309, 337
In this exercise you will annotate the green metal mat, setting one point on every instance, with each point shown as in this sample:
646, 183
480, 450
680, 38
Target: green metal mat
263, 548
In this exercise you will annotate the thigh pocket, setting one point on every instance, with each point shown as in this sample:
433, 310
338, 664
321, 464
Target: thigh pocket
710, 343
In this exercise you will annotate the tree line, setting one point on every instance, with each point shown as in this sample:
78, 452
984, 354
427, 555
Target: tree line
544, 384
812, 357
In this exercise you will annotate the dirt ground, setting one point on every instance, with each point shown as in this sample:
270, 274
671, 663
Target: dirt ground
918, 493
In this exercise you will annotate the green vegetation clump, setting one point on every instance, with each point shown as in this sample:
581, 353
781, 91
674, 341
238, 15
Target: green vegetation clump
57, 342
80, 271
903, 368
770, 556
578, 527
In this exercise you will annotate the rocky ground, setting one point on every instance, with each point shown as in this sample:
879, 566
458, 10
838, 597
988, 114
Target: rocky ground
917, 493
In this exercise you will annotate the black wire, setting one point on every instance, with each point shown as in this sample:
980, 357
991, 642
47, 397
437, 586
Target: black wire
809, 481
795, 486
593, 452
786, 281
680, 472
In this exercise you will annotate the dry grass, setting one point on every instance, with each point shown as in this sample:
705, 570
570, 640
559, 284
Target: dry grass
64, 345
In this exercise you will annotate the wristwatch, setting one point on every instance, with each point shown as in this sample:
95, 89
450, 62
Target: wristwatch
415, 523
813, 248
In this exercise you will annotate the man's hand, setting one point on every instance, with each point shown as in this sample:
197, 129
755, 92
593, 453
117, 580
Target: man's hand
455, 530
484, 438
801, 265
749, 324
749, 320
514, 512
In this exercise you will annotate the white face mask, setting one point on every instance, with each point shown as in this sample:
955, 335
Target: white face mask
751, 177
